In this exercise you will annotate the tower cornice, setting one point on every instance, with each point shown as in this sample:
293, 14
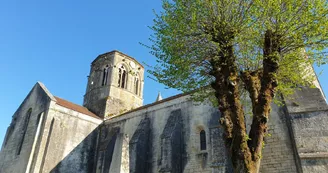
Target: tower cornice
118, 52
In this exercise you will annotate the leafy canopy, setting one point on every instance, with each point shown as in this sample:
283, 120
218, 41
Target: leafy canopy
186, 36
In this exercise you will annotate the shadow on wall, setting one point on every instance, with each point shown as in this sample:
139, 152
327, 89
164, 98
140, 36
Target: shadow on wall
81, 158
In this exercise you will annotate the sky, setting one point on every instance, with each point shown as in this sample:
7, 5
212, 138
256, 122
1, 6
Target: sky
54, 42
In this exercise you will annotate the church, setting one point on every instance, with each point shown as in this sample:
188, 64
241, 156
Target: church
113, 132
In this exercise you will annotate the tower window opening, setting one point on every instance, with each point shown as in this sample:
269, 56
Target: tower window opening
136, 85
23, 132
202, 140
105, 76
119, 76
122, 77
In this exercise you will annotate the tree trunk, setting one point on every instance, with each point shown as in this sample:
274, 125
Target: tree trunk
262, 108
233, 119
245, 151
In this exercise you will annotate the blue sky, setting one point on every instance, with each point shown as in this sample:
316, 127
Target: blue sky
55, 41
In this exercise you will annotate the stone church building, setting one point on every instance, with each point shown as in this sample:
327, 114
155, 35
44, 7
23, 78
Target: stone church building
113, 132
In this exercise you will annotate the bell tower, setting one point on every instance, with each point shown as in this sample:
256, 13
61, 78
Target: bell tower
115, 84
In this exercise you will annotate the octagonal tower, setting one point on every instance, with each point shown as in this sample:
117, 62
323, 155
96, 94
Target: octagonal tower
115, 84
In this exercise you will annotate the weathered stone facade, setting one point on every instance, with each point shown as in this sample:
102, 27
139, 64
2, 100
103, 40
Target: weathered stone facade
57, 138
173, 135
115, 84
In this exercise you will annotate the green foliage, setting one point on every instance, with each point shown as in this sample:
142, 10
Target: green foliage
247, 138
187, 33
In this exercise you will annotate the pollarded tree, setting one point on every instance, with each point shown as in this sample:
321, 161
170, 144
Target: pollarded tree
235, 46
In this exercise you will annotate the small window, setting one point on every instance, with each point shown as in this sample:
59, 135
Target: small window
23, 131
105, 76
122, 77
136, 85
202, 140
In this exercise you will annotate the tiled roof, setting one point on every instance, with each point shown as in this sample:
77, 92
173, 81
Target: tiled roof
75, 107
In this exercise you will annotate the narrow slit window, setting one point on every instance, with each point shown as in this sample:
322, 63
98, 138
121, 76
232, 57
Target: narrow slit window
119, 76
136, 85
202, 140
23, 132
122, 77
105, 76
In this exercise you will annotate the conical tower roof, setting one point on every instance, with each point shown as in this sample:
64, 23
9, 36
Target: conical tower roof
159, 97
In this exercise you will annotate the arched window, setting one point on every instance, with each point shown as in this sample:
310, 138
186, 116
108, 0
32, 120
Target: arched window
105, 76
136, 85
202, 140
23, 131
122, 76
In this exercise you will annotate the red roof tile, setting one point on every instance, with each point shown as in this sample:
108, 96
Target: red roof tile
75, 107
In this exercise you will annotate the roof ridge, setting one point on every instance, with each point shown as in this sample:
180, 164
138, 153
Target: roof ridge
45, 89
153, 104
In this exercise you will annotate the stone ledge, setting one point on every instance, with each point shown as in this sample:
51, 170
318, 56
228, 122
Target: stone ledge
313, 155
307, 110
202, 152
217, 165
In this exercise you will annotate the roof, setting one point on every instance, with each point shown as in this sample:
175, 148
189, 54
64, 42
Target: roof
45, 89
157, 102
75, 107
116, 51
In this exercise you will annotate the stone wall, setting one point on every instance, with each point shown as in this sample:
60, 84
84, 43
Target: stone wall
127, 95
68, 142
96, 100
160, 125
164, 138
161, 137
16, 155
311, 138
278, 154
308, 119
47, 137
140, 151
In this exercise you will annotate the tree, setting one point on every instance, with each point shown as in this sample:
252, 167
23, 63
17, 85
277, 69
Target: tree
235, 46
